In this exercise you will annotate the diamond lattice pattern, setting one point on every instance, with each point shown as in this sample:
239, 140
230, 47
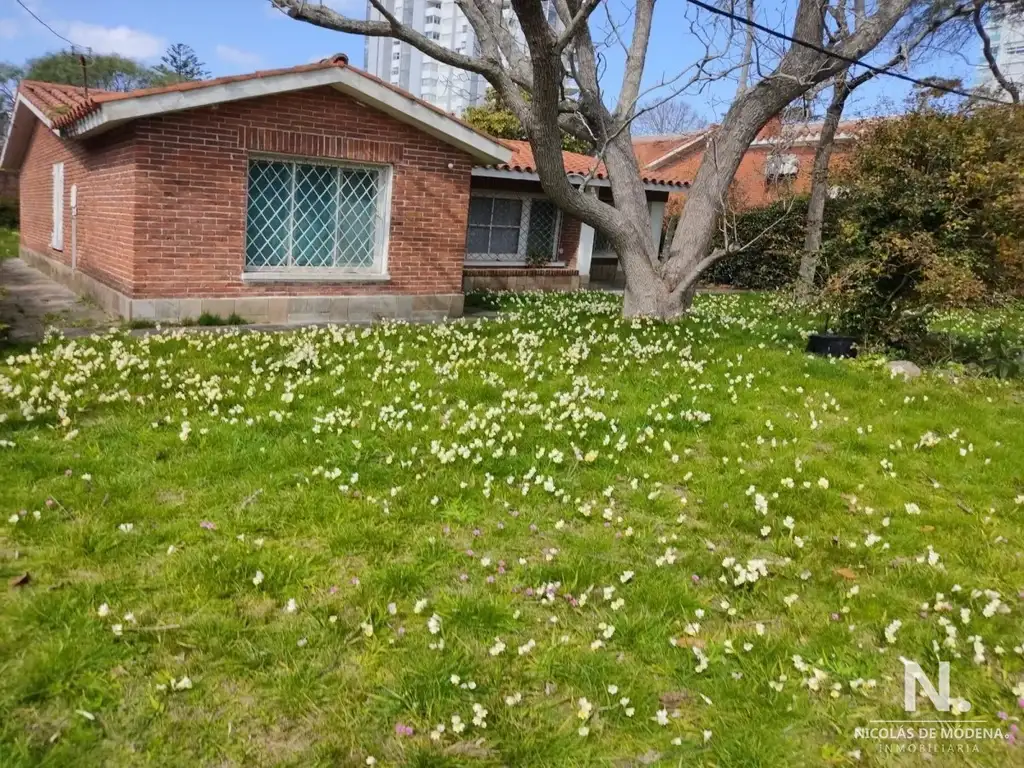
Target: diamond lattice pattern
313, 216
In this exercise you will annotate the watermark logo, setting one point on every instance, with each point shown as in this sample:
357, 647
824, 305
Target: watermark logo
913, 674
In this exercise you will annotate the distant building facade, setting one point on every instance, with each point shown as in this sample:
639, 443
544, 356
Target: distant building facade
442, 85
1007, 36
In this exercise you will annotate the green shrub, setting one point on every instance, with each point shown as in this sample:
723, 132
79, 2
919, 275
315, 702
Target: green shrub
8, 213
771, 260
933, 218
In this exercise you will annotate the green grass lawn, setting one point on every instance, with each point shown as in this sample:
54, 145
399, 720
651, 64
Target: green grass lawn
555, 538
8, 243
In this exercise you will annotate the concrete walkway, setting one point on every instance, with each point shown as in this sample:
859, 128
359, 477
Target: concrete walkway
30, 302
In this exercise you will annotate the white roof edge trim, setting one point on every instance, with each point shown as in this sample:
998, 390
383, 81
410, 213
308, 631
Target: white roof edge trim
575, 178
20, 101
400, 106
675, 151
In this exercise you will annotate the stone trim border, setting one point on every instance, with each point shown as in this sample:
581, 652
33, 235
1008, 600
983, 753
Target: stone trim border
276, 310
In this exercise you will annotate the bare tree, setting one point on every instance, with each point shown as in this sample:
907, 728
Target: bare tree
1012, 88
919, 33
653, 288
666, 118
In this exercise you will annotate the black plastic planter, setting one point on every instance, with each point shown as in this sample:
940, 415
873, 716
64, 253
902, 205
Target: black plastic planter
832, 346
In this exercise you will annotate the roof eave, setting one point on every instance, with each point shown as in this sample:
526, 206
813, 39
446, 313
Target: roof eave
575, 178
19, 133
407, 109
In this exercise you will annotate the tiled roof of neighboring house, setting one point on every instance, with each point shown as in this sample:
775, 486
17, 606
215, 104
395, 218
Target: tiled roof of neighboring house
650, 148
811, 132
575, 163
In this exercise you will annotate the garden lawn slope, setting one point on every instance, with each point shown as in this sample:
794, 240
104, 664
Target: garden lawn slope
556, 538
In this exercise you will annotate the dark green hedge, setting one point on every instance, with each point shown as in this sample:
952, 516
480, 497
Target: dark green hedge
8, 212
773, 260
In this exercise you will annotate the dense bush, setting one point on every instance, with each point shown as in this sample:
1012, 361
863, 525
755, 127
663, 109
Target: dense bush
933, 218
771, 261
8, 213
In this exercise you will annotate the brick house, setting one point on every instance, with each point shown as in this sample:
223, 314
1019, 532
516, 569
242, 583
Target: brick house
575, 254
305, 194
314, 193
778, 163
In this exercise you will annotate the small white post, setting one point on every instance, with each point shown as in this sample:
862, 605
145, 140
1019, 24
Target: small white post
657, 209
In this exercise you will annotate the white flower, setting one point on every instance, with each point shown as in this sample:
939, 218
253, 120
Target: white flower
118, 629
258, 578
181, 685
912, 508
626, 576
498, 647
613, 689
292, 606
891, 630
126, 527
823, 483
790, 599
434, 624
367, 628
584, 708
103, 610
420, 605
661, 717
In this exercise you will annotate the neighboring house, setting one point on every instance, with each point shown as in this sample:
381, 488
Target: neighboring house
311, 194
450, 88
513, 227
777, 165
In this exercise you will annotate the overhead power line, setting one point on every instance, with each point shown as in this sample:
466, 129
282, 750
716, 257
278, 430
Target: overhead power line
32, 13
848, 59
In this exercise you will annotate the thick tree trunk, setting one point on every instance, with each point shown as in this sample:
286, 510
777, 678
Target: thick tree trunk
819, 189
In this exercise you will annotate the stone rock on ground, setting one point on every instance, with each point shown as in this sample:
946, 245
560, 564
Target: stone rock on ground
903, 367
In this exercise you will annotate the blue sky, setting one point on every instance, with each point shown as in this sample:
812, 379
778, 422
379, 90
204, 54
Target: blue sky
233, 36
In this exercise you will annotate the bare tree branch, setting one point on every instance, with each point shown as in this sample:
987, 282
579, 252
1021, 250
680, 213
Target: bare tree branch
986, 48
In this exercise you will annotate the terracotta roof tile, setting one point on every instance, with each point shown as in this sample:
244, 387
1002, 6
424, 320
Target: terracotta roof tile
522, 160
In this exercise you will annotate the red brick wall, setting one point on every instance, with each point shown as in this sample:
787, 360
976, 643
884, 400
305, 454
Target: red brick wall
103, 170
192, 186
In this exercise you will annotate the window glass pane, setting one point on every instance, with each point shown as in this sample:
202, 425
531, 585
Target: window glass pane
357, 217
315, 208
540, 239
269, 209
504, 240
480, 210
507, 212
477, 240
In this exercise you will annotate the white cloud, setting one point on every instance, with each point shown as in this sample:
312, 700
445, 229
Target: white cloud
236, 56
8, 29
122, 40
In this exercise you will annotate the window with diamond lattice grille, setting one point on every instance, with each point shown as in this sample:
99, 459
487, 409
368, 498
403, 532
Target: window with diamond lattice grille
308, 216
510, 229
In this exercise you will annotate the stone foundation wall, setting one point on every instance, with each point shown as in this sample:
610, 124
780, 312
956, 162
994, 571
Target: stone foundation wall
283, 310
518, 279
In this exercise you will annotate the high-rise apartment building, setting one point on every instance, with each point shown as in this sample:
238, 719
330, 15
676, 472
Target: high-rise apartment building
1007, 36
442, 85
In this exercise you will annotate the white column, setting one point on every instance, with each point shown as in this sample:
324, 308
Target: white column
585, 251
657, 209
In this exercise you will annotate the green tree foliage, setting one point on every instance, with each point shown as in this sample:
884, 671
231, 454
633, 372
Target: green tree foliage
495, 119
933, 218
9, 77
180, 64
104, 72
776, 236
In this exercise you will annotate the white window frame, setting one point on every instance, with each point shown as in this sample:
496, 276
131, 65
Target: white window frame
57, 203
781, 167
377, 272
519, 260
